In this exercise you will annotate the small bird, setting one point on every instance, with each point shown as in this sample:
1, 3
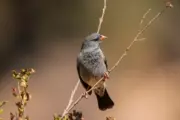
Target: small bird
91, 67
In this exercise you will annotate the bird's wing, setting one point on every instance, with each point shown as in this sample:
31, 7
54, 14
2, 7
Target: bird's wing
86, 86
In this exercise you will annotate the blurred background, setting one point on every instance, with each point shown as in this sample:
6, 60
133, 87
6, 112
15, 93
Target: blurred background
47, 34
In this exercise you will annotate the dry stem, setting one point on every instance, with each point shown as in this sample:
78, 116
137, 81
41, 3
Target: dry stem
102, 16
144, 16
71, 98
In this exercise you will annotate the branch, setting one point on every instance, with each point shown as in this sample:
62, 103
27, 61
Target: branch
71, 98
136, 39
144, 16
102, 16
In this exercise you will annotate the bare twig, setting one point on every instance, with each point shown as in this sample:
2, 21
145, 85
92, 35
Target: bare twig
102, 16
71, 98
144, 16
136, 38
141, 39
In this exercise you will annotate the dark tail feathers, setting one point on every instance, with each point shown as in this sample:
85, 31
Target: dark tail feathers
104, 102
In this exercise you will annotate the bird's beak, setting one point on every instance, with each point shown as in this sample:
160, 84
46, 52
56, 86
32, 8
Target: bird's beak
102, 37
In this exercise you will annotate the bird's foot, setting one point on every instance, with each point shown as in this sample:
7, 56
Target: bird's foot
106, 75
85, 95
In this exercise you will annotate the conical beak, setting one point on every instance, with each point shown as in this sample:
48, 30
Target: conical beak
102, 37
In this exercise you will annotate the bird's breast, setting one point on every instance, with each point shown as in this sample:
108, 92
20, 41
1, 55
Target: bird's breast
93, 62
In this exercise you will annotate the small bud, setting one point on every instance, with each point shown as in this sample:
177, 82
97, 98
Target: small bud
169, 4
14, 92
32, 70
23, 70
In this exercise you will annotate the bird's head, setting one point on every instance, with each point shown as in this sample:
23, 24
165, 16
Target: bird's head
95, 37
93, 40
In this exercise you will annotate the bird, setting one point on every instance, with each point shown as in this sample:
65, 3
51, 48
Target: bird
91, 67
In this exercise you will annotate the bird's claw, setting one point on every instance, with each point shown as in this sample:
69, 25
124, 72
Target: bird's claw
85, 95
106, 76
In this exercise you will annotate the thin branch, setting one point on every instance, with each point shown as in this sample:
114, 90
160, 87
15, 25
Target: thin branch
144, 16
102, 16
71, 98
136, 38
141, 39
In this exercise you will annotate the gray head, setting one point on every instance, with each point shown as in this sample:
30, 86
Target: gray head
93, 40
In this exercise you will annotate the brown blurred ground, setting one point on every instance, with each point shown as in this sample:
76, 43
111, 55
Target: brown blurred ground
47, 35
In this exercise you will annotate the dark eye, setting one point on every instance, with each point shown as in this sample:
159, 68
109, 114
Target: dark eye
96, 39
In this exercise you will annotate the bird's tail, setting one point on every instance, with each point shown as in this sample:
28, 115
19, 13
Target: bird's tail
104, 102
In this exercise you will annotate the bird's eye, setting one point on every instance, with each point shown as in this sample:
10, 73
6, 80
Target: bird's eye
96, 39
